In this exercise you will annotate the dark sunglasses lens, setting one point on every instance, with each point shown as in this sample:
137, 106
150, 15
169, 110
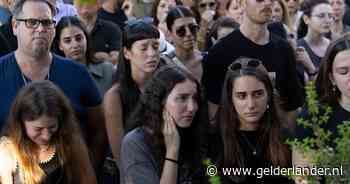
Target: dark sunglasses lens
32, 22
193, 29
181, 32
47, 23
212, 4
203, 5
236, 66
253, 63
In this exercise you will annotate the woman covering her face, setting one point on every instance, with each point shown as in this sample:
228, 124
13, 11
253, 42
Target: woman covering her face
167, 148
250, 130
42, 142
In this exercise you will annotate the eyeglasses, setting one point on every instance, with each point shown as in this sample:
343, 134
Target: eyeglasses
246, 63
181, 31
324, 15
204, 5
34, 23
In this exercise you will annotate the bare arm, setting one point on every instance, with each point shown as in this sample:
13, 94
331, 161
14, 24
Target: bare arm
97, 139
87, 173
114, 120
8, 163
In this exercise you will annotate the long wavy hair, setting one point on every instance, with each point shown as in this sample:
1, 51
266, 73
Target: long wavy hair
128, 89
149, 113
324, 86
32, 102
269, 139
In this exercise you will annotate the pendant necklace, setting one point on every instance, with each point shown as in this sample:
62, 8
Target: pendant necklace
249, 144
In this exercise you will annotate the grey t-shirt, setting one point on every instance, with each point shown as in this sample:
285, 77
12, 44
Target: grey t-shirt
137, 162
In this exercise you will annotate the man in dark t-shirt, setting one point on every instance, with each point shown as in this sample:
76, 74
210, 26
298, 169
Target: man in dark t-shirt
111, 11
255, 41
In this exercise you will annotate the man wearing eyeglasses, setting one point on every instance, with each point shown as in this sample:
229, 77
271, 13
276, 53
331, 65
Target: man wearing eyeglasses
254, 40
34, 28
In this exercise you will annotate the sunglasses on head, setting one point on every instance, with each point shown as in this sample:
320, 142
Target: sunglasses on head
204, 5
251, 63
181, 31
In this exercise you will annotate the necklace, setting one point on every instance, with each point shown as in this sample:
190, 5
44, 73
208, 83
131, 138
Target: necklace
250, 145
25, 79
50, 156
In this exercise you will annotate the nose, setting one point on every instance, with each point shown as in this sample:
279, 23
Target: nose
251, 102
75, 43
192, 106
46, 135
152, 51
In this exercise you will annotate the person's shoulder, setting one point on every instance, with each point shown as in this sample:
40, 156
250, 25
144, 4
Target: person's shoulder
68, 63
8, 57
135, 137
108, 25
8, 161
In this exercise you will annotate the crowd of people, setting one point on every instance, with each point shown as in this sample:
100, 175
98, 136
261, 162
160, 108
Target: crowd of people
143, 91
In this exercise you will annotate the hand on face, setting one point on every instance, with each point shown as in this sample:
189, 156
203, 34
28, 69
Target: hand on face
171, 135
208, 15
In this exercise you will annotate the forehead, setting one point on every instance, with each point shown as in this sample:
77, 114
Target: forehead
71, 30
172, 2
184, 21
42, 121
247, 84
36, 9
206, 1
146, 41
322, 8
342, 59
186, 86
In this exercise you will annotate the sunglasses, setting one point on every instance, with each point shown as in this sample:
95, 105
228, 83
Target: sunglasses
34, 23
204, 5
251, 63
181, 31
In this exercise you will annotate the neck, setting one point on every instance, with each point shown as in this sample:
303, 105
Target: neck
33, 67
140, 78
249, 126
184, 55
109, 6
338, 26
82, 60
345, 103
258, 33
90, 23
314, 38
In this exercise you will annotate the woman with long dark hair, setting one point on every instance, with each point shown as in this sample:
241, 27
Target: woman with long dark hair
72, 41
138, 60
250, 130
42, 142
169, 146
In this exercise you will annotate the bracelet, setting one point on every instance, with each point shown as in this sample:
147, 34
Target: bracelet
171, 160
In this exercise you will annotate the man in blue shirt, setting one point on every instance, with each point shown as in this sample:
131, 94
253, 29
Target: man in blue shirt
32, 61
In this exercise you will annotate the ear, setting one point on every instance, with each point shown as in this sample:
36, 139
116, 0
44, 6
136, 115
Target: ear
14, 24
306, 19
127, 53
331, 78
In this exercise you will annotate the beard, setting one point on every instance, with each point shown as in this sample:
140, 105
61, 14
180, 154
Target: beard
40, 50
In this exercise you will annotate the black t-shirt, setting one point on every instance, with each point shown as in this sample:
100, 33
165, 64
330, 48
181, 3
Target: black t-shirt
105, 36
117, 18
277, 56
8, 41
337, 117
248, 144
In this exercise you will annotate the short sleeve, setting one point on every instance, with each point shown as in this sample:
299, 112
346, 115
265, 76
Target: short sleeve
115, 36
91, 97
137, 166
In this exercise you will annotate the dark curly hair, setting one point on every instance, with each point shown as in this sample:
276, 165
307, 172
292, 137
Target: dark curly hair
149, 114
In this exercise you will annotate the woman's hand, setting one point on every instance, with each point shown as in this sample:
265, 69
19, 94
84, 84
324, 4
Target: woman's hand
171, 136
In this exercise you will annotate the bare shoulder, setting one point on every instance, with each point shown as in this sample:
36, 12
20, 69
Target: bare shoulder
112, 97
7, 159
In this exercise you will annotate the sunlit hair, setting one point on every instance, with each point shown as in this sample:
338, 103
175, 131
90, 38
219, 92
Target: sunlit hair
269, 130
149, 114
285, 15
32, 102
129, 92
324, 86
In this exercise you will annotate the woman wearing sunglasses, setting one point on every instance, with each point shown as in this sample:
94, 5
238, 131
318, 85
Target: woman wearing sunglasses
42, 141
138, 60
167, 148
183, 30
250, 130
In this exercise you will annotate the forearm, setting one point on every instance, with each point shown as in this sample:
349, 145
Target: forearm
169, 173
201, 35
